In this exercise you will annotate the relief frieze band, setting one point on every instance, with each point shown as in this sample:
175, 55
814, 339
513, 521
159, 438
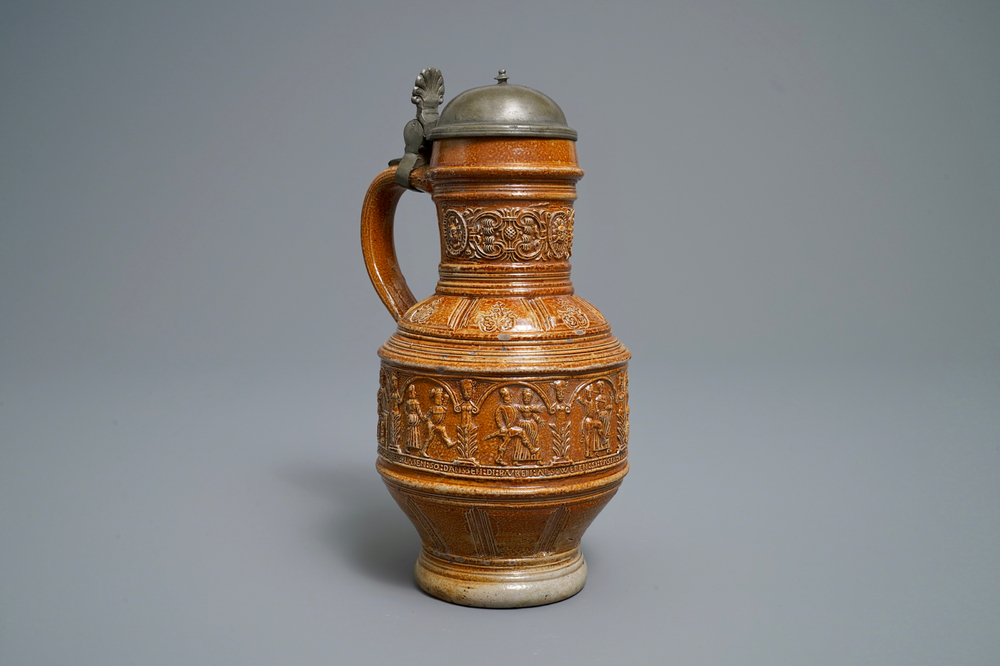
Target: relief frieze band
503, 428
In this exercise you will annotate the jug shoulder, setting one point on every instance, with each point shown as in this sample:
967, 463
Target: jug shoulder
505, 318
504, 334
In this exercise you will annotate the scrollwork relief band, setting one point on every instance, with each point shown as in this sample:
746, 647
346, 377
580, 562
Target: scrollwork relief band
532, 233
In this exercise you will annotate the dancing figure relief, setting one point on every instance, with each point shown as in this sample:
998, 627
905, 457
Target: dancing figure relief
528, 451
435, 418
508, 429
596, 433
395, 421
415, 417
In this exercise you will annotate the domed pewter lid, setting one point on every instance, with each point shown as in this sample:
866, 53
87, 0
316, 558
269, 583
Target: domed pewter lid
491, 111
500, 110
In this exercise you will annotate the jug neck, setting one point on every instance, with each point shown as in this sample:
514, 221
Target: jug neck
505, 213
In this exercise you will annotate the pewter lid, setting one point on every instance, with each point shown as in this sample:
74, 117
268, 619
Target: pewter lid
504, 109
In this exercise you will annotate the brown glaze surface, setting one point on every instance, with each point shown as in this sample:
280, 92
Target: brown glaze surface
503, 414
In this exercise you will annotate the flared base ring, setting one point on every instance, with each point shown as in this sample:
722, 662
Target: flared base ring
502, 587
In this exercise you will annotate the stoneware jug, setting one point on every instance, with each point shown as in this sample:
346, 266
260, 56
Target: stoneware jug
503, 412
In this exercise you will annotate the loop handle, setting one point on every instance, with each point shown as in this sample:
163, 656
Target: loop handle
379, 247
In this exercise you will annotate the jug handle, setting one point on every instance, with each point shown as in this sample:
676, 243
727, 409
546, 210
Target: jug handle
379, 247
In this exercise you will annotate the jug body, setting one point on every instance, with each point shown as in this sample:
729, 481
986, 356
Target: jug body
503, 411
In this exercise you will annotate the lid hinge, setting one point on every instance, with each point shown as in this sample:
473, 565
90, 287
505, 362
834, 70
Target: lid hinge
428, 93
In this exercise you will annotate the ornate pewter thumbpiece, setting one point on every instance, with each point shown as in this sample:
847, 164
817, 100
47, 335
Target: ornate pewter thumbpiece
503, 398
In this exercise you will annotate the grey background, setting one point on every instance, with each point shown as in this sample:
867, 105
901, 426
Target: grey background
791, 215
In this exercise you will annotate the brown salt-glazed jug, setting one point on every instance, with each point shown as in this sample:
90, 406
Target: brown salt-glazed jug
503, 412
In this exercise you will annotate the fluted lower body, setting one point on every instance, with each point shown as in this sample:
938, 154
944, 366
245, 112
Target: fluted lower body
506, 546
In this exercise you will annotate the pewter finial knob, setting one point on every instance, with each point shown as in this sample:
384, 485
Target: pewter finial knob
501, 76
